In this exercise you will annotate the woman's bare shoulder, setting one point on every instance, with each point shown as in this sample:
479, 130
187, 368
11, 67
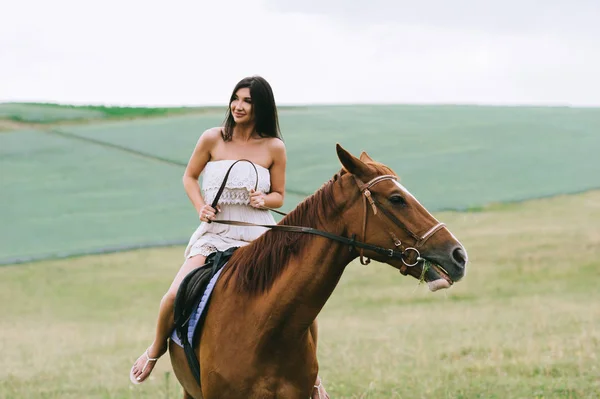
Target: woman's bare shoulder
276, 146
212, 135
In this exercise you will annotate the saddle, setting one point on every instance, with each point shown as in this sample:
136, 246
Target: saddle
188, 299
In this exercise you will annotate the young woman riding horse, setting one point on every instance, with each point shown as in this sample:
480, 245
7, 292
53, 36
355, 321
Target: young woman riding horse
251, 131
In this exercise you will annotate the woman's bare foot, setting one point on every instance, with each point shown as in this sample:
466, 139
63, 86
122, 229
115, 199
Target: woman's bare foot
144, 365
319, 391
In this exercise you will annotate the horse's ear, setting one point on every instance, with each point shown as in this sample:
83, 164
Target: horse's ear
365, 157
350, 162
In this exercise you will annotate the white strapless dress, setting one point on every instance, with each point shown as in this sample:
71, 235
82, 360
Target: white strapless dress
234, 204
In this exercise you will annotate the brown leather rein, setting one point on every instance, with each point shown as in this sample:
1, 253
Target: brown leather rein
399, 253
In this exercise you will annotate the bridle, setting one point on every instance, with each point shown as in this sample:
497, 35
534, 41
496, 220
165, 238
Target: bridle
400, 253
375, 206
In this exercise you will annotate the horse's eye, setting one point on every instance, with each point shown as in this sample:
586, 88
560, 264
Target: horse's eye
397, 199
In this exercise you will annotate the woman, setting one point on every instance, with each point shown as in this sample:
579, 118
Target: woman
251, 131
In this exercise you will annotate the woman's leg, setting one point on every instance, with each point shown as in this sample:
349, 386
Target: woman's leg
319, 391
166, 321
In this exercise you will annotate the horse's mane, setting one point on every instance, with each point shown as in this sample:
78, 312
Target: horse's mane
255, 267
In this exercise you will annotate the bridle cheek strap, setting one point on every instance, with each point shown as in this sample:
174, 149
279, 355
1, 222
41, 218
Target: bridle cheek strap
364, 226
367, 197
366, 194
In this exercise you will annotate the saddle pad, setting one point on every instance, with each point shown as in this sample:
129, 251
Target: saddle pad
197, 313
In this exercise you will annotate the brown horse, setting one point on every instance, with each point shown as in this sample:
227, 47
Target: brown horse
256, 341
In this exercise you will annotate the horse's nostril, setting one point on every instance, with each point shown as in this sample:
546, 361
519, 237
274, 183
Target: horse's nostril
460, 256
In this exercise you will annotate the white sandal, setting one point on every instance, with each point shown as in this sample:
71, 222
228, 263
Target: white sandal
318, 386
135, 380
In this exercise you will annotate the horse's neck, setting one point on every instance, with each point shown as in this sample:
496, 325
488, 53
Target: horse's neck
301, 291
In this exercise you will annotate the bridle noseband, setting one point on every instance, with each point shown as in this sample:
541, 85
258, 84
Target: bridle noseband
375, 206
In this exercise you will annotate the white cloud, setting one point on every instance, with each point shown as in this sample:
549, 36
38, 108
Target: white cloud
193, 52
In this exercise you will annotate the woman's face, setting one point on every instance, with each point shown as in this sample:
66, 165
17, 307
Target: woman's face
241, 106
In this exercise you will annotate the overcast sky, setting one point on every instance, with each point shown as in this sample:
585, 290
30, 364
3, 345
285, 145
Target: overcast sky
193, 52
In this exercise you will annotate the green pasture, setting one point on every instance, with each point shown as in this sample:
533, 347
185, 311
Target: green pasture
80, 188
452, 157
60, 196
523, 324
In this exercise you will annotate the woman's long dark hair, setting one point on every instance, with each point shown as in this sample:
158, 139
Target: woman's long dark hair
263, 107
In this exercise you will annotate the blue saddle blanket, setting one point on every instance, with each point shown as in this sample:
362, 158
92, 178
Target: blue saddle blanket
197, 313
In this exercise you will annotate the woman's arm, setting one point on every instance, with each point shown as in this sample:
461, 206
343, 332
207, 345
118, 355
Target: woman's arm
277, 171
196, 164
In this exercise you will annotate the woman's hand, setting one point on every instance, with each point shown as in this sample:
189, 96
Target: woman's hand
257, 199
207, 213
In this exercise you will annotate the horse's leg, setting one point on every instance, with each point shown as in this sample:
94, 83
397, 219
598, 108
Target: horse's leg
187, 395
319, 390
314, 332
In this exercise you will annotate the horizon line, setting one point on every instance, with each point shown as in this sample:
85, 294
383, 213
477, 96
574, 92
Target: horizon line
312, 104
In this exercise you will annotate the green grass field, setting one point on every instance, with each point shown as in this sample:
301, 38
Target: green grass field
66, 195
524, 323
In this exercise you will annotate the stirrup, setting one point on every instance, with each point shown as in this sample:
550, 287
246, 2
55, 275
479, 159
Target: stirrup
149, 359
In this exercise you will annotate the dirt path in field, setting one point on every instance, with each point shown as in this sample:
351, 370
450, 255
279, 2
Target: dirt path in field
8, 125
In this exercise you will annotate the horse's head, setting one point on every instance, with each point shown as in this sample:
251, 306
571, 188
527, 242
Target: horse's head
383, 213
